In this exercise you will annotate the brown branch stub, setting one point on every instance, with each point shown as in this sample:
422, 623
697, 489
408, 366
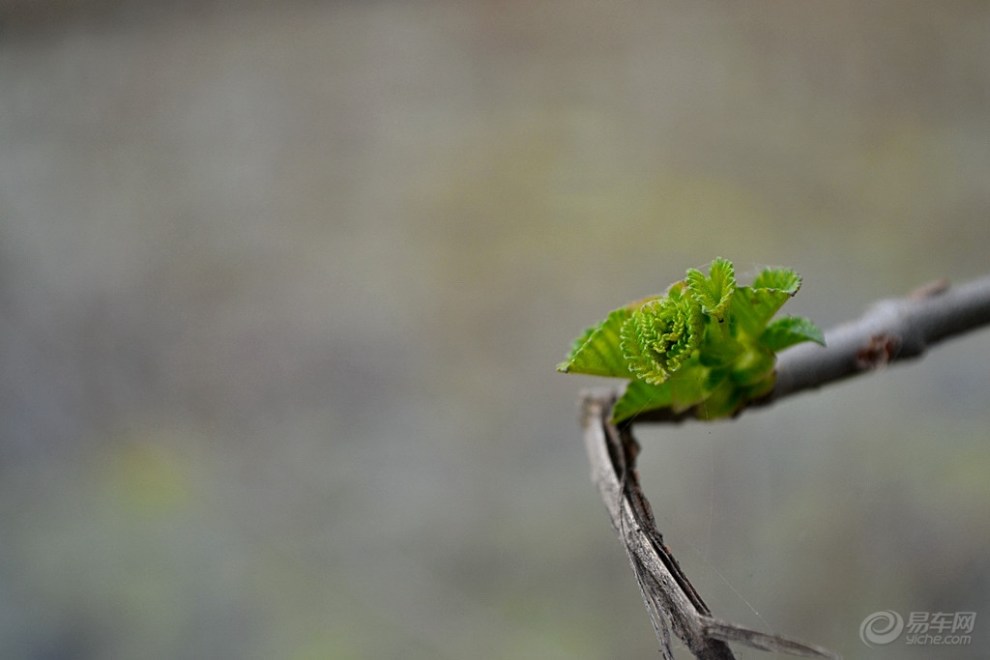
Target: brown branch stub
879, 350
672, 602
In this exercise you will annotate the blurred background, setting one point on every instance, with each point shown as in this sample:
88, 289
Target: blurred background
283, 285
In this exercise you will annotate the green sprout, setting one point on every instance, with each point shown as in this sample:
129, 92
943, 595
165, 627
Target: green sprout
707, 344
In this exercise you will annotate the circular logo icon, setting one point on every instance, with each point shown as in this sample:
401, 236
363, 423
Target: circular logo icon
881, 628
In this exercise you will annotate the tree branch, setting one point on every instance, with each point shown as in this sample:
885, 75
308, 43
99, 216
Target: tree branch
891, 330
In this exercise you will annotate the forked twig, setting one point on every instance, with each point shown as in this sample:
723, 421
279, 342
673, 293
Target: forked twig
671, 599
890, 331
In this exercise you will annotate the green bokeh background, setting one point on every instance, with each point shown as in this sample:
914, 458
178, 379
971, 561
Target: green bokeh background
282, 287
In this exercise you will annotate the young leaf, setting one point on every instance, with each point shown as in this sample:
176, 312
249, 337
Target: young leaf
596, 352
719, 348
691, 385
754, 365
770, 290
781, 279
714, 291
751, 308
707, 344
790, 330
729, 397
640, 396
659, 336
723, 401
681, 391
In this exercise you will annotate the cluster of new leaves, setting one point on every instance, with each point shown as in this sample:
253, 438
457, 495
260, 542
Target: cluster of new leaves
707, 344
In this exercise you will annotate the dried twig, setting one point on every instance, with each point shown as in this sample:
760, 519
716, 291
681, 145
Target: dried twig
891, 330
673, 603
